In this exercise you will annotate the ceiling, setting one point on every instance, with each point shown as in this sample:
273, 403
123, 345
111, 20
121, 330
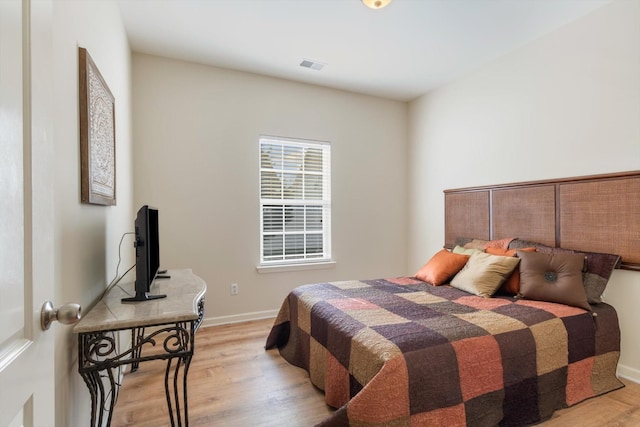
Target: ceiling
398, 52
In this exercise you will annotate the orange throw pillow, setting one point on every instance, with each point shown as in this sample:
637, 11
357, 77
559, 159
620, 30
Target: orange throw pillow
441, 267
511, 286
499, 244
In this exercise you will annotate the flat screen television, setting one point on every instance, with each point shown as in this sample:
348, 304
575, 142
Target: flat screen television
147, 246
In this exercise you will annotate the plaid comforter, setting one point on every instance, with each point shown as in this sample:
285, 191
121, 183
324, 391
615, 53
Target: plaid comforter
401, 352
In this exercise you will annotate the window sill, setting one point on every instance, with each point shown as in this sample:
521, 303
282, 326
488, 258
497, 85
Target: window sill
281, 268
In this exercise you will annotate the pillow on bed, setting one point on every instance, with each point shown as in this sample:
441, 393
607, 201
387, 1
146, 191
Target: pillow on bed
597, 271
499, 243
512, 285
476, 244
555, 277
465, 251
441, 267
484, 273
484, 244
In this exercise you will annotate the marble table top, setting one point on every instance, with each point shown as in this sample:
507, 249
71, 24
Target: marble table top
184, 289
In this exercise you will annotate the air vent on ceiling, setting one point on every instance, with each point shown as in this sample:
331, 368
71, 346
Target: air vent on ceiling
314, 65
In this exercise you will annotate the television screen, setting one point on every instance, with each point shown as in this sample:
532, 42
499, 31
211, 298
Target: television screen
147, 245
152, 254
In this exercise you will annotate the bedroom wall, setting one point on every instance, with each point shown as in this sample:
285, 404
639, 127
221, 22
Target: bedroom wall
196, 132
86, 236
567, 104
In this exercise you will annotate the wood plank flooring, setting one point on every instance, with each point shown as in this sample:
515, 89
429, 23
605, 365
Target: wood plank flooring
233, 382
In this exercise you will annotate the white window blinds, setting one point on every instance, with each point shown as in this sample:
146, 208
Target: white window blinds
295, 201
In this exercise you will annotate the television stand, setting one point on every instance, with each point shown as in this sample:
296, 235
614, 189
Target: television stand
142, 296
170, 320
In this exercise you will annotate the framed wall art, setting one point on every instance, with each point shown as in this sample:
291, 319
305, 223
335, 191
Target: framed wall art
97, 135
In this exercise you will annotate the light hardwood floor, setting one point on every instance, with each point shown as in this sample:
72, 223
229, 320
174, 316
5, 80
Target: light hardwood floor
233, 382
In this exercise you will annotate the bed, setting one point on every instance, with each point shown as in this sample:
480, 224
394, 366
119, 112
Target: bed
456, 344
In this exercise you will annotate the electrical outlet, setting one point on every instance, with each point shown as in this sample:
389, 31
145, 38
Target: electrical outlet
234, 289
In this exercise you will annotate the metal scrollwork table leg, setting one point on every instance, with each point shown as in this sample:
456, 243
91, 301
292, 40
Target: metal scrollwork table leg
99, 363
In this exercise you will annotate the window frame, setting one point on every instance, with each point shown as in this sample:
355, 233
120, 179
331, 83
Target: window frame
295, 261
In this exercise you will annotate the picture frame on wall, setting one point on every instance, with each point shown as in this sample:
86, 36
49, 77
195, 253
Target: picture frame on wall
97, 134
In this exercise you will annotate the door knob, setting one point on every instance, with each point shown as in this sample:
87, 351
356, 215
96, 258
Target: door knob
66, 314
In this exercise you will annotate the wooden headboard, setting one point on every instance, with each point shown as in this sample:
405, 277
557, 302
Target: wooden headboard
596, 213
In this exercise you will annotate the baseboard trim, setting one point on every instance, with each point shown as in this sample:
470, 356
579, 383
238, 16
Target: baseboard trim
237, 318
629, 373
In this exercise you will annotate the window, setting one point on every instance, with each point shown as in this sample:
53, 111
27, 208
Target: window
295, 201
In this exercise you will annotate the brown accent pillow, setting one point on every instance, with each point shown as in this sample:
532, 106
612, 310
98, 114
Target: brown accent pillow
555, 277
512, 285
441, 267
598, 268
484, 273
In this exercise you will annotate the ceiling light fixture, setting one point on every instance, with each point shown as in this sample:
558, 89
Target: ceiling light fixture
376, 4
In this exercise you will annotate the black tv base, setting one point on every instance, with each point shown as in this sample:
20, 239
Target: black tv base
142, 296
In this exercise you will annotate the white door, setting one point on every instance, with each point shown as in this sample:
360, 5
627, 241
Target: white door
26, 212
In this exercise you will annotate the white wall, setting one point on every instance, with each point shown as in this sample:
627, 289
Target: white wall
566, 105
86, 236
196, 132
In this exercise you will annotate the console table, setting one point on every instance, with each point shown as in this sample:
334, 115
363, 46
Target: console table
171, 321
